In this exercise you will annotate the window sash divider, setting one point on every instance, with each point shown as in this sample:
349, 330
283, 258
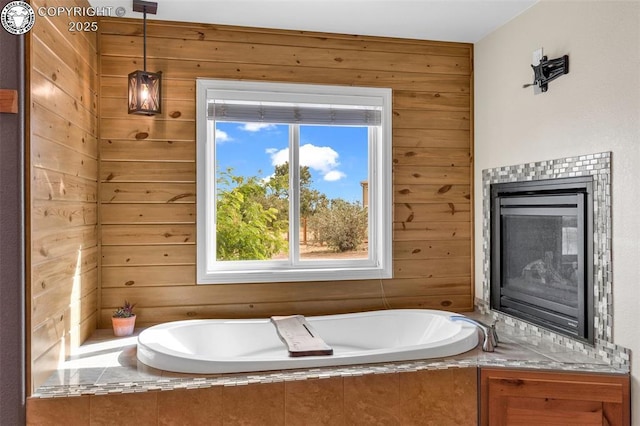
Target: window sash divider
294, 193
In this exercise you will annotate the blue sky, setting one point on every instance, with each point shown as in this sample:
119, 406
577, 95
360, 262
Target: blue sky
336, 156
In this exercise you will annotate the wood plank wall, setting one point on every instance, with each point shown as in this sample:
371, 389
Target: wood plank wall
62, 77
147, 168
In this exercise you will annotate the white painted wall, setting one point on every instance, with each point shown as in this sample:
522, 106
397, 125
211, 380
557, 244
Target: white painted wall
595, 108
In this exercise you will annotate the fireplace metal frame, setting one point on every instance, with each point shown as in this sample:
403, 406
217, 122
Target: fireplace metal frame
546, 198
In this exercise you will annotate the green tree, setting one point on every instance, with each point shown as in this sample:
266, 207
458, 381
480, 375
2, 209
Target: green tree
342, 226
245, 228
311, 200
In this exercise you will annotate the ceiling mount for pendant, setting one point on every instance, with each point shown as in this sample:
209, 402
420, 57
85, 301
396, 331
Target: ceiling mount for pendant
145, 6
145, 88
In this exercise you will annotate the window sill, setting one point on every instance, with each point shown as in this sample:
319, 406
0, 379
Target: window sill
310, 274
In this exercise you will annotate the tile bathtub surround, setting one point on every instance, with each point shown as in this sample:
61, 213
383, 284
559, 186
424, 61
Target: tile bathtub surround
205, 407
599, 167
106, 365
443, 397
316, 401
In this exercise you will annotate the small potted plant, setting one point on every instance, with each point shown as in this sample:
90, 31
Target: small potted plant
123, 320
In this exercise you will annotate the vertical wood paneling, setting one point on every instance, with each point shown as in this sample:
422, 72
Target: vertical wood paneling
63, 176
147, 168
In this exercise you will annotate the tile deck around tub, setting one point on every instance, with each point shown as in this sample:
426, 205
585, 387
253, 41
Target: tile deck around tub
105, 365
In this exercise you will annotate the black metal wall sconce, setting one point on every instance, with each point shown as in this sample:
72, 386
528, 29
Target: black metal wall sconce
145, 88
548, 70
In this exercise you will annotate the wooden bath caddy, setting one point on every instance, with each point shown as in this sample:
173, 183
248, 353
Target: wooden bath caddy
299, 336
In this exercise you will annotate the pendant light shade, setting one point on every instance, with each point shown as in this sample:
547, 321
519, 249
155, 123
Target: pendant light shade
145, 92
145, 88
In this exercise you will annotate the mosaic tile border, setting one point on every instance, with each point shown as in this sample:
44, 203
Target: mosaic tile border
168, 384
599, 166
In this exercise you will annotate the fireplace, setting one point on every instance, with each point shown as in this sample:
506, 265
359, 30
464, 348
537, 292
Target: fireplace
542, 253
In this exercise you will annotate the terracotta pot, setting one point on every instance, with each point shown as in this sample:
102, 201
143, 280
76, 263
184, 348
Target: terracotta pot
123, 326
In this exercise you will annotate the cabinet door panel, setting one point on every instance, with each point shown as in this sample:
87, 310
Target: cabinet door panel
552, 412
525, 397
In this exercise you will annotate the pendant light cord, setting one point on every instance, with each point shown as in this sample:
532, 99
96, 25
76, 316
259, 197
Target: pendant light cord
144, 37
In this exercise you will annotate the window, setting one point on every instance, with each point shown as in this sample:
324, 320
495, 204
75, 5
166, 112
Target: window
294, 182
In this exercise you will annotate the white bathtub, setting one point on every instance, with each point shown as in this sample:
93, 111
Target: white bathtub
233, 346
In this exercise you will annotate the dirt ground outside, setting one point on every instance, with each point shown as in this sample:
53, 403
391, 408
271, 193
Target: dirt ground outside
320, 252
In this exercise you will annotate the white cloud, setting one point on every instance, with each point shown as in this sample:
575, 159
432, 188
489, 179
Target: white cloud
323, 159
222, 136
256, 127
278, 157
334, 175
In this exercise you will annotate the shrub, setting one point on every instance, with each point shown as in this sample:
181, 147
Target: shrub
342, 226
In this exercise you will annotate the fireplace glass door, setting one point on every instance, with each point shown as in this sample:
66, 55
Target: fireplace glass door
540, 242
540, 257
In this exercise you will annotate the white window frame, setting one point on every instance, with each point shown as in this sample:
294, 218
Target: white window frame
379, 263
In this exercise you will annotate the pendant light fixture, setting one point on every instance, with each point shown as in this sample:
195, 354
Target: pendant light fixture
145, 88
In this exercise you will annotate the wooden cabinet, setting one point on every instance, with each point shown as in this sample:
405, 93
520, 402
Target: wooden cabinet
525, 397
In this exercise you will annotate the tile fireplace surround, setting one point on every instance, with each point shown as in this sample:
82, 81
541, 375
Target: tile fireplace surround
596, 165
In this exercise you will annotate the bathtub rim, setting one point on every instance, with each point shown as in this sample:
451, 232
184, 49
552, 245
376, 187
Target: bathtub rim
156, 355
